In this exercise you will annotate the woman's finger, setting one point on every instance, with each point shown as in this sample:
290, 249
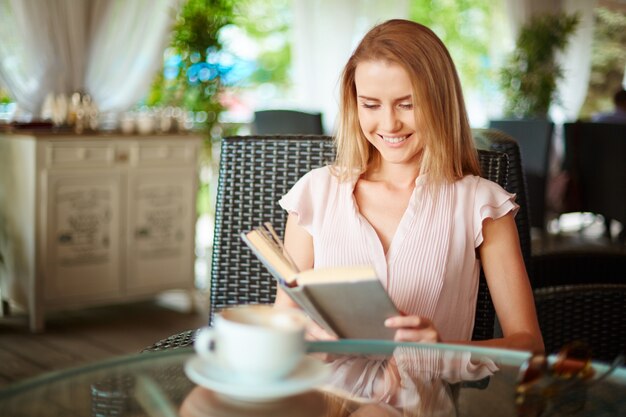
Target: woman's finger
315, 332
428, 335
408, 321
413, 329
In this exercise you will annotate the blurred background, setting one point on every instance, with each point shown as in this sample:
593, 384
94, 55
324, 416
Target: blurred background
217, 68
209, 65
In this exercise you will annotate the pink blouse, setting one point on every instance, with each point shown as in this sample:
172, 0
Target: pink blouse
430, 268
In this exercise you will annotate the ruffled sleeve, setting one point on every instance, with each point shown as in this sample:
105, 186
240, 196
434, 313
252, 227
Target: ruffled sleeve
305, 196
491, 201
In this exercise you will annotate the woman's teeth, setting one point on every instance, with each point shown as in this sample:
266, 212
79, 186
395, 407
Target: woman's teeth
394, 140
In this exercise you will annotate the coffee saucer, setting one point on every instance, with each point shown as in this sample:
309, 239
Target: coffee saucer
309, 373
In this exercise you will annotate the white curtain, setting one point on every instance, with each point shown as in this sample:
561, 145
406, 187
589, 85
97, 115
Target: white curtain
109, 49
325, 33
576, 61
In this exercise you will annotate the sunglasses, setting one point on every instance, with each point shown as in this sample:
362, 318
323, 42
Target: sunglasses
561, 387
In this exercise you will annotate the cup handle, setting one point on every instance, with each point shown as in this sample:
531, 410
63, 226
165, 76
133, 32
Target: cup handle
205, 338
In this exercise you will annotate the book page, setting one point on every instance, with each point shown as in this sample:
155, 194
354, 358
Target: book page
336, 274
269, 254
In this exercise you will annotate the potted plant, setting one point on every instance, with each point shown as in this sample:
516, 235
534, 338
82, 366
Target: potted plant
529, 77
529, 80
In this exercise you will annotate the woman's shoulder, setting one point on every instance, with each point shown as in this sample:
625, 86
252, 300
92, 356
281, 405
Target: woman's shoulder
320, 176
323, 172
478, 183
318, 180
480, 191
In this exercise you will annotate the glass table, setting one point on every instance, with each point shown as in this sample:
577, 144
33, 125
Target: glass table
344, 378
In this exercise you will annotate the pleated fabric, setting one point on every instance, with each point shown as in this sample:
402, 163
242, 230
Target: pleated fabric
430, 268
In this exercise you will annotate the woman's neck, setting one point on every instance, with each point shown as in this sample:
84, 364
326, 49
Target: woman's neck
394, 175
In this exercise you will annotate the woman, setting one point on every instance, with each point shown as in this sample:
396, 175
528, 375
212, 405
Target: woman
404, 195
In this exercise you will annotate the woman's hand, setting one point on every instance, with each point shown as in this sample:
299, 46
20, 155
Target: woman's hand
315, 332
413, 329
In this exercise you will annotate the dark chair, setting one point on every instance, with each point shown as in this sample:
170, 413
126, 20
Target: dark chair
534, 137
287, 122
593, 314
579, 266
496, 140
581, 295
254, 173
594, 158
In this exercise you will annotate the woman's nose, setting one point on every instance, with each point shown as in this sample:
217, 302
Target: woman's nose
390, 122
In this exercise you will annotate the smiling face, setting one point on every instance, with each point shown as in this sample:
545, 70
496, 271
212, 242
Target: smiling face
386, 112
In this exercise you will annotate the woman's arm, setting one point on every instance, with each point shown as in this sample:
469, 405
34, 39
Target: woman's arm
299, 245
510, 290
502, 261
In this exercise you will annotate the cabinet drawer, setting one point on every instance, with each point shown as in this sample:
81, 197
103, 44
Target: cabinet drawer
61, 155
149, 154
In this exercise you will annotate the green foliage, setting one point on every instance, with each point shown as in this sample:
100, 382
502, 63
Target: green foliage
4, 96
464, 26
530, 75
194, 38
198, 37
608, 59
268, 22
197, 26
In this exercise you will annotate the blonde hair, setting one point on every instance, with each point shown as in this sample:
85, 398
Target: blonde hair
448, 152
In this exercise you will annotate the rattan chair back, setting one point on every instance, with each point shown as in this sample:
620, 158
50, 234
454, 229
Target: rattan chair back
496, 140
590, 313
255, 171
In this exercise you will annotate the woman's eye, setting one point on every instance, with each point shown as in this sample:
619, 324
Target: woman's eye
369, 106
406, 106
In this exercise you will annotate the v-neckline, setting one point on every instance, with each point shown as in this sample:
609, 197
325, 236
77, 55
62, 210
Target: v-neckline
399, 234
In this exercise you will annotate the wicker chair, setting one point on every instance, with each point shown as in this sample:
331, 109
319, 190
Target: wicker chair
594, 158
581, 295
254, 173
593, 314
534, 137
580, 266
495, 140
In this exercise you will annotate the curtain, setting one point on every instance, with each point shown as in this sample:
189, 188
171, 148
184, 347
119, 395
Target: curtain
325, 33
106, 48
576, 60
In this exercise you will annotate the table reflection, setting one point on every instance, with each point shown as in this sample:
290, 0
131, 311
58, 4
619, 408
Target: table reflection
366, 378
408, 382
424, 380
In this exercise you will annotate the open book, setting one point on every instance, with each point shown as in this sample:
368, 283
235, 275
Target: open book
349, 302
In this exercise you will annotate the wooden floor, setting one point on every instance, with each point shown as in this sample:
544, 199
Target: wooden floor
78, 337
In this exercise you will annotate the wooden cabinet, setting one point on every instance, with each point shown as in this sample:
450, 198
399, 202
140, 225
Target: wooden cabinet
87, 220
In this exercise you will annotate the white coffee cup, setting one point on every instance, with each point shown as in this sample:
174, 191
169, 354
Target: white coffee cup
255, 342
